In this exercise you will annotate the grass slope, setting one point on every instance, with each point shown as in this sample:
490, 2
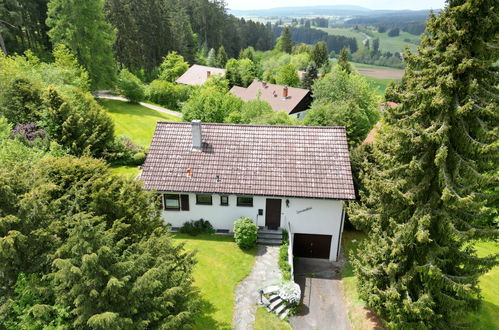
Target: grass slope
221, 266
134, 120
487, 317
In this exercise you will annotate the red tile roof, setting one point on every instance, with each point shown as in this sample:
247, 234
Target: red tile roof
288, 161
273, 94
198, 74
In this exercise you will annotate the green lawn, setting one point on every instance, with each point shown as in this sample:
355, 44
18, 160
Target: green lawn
134, 120
379, 85
269, 321
221, 266
127, 171
487, 316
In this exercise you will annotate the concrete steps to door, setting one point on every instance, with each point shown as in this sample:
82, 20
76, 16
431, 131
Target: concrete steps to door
269, 236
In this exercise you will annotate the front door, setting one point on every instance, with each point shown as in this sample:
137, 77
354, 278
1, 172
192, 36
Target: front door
273, 213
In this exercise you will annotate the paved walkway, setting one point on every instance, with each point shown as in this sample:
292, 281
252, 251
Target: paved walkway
265, 272
106, 95
324, 306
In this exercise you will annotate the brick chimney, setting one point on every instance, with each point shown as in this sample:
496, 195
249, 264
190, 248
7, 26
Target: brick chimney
285, 92
208, 74
197, 136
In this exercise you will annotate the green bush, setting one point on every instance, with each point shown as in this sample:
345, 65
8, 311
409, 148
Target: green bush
283, 261
130, 86
124, 151
167, 94
245, 233
194, 228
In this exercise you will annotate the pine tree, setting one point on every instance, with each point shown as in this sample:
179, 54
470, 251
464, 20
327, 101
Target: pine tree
284, 42
81, 26
320, 54
221, 57
310, 76
343, 60
434, 175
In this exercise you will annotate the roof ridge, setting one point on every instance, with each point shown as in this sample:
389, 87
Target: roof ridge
252, 125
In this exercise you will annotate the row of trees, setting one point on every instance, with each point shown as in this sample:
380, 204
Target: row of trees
137, 34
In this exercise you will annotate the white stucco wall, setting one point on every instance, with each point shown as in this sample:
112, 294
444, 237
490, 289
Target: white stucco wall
306, 216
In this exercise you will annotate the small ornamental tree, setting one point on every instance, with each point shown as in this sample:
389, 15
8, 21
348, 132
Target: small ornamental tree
434, 177
245, 233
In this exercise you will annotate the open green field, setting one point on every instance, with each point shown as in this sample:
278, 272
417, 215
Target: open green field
487, 316
386, 43
221, 266
379, 85
134, 120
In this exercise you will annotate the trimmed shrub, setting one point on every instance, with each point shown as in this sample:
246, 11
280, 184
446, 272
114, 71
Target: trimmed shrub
130, 86
245, 233
194, 228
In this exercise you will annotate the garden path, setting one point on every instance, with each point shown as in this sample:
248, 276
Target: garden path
265, 272
107, 95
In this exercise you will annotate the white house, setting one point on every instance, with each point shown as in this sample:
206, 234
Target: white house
290, 177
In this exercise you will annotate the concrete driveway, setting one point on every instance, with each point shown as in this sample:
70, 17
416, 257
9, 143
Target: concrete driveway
323, 303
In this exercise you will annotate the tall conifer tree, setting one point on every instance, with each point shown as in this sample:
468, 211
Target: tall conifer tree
284, 42
80, 25
343, 60
434, 174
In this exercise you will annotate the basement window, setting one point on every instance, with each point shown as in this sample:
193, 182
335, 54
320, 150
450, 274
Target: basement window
204, 200
244, 201
171, 202
224, 200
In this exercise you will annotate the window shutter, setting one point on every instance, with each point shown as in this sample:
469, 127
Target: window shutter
184, 202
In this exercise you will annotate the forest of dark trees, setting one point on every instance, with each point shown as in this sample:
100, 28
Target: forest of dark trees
146, 30
312, 36
413, 23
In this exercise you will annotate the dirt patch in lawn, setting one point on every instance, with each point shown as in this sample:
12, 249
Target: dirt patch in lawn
381, 73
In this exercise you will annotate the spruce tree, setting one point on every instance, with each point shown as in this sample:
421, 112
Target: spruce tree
343, 60
319, 54
310, 75
222, 57
284, 42
81, 26
211, 59
434, 173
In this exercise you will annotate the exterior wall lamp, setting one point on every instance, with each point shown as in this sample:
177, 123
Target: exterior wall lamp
287, 202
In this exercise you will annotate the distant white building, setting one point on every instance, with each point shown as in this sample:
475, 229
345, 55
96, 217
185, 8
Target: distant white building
199, 74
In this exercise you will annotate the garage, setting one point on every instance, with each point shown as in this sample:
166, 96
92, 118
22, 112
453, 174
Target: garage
312, 246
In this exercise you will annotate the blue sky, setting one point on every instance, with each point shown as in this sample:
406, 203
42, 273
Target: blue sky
373, 4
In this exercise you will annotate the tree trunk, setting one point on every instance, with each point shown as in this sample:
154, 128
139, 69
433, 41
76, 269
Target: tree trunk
2, 45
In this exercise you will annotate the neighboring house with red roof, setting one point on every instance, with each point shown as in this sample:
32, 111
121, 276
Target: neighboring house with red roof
283, 177
293, 101
199, 74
